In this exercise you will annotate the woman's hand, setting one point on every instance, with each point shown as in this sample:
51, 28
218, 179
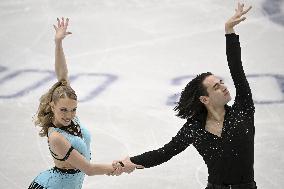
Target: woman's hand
237, 18
61, 29
117, 169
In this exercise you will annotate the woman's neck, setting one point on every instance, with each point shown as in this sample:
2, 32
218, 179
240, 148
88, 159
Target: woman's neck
58, 125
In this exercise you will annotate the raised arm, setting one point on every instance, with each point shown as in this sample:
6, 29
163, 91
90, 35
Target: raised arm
233, 50
60, 62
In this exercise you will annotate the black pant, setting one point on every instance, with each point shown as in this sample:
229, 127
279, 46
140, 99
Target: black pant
251, 185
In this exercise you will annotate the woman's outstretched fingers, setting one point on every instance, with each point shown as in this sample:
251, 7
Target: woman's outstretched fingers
66, 23
61, 29
248, 9
62, 22
58, 22
55, 28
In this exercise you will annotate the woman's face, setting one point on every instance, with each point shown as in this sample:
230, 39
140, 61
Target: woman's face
64, 111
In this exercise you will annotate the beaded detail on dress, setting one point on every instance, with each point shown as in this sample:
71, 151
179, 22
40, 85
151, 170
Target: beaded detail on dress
73, 128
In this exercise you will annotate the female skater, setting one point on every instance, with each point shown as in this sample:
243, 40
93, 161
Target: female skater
68, 140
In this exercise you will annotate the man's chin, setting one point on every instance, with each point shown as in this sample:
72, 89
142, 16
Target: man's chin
228, 100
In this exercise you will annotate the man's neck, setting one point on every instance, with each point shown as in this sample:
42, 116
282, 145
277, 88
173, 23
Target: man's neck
215, 113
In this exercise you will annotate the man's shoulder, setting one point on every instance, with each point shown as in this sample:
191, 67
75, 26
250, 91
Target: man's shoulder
193, 123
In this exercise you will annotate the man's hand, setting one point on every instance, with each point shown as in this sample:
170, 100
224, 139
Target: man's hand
127, 166
61, 29
237, 18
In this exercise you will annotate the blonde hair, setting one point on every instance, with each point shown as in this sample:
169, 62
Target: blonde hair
44, 115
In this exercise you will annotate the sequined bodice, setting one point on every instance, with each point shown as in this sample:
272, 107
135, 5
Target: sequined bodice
81, 144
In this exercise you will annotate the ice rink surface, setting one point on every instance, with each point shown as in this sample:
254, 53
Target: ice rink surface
128, 61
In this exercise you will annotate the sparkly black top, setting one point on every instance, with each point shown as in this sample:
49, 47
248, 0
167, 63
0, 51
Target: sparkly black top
229, 158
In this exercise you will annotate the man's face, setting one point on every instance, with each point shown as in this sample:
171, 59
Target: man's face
218, 94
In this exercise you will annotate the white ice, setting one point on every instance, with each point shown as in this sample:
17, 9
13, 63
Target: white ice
125, 56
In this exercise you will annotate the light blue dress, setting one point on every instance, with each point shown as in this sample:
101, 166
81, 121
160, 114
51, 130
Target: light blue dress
57, 179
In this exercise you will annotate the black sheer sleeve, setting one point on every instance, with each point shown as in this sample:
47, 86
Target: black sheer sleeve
243, 99
156, 157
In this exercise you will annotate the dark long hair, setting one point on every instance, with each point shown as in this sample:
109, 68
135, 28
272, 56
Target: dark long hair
189, 105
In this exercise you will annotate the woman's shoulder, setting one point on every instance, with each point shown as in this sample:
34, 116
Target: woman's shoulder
52, 130
55, 136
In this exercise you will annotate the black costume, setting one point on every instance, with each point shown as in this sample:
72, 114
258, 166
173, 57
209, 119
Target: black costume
229, 158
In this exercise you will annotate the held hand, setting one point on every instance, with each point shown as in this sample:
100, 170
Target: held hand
129, 166
237, 18
61, 29
117, 169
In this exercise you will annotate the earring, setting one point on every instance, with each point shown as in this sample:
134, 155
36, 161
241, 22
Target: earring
51, 117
